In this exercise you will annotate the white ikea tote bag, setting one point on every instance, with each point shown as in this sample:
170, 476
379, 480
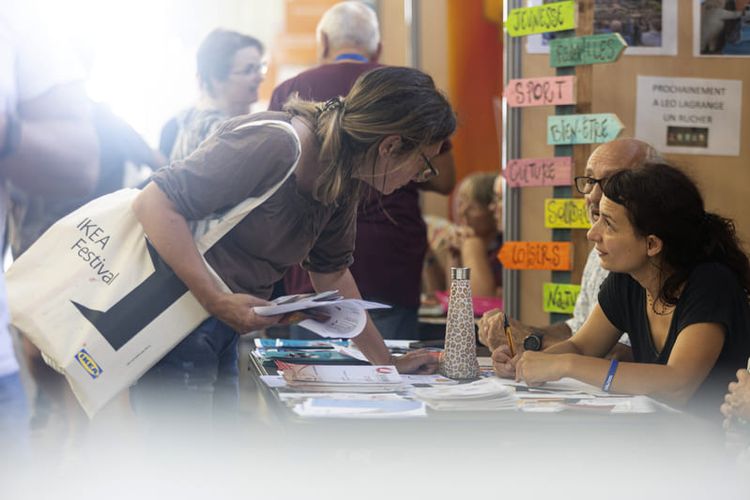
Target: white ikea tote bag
97, 300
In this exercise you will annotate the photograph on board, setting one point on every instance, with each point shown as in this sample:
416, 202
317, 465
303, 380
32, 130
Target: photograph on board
649, 27
721, 28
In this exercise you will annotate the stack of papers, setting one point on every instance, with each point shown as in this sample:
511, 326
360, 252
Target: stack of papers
484, 394
360, 406
343, 378
299, 343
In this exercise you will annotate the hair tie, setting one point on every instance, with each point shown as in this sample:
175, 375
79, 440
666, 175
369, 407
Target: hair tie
332, 104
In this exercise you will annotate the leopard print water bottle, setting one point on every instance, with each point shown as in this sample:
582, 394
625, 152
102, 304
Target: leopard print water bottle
459, 360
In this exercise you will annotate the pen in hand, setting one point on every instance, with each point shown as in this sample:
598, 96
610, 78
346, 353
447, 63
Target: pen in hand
509, 336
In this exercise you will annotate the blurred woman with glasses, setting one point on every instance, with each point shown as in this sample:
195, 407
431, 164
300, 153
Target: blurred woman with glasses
230, 68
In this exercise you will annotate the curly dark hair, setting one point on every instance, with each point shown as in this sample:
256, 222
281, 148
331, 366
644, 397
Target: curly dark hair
663, 201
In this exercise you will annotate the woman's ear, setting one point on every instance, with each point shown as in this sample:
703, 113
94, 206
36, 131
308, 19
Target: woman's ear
654, 245
389, 146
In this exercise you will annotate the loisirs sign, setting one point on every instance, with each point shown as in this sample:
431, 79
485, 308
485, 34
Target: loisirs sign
552, 255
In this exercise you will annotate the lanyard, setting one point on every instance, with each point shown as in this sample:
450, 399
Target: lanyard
351, 57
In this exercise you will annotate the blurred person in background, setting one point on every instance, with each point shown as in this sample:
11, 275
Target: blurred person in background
473, 241
48, 147
230, 69
737, 400
391, 235
124, 159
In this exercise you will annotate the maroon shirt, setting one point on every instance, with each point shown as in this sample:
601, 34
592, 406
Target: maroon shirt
388, 253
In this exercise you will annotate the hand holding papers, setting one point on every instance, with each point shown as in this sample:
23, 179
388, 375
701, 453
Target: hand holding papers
327, 314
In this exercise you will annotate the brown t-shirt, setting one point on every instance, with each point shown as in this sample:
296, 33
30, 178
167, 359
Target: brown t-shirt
288, 228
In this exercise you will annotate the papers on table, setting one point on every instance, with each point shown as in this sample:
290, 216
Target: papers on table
379, 391
356, 406
376, 378
483, 394
298, 343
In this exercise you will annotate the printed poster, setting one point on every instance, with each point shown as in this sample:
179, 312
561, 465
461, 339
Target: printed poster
648, 26
695, 116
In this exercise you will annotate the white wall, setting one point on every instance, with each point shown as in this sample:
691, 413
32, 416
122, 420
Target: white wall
142, 52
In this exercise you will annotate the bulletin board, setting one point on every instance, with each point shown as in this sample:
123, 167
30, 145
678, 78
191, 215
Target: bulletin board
723, 180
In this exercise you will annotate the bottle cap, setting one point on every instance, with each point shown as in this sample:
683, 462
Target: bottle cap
460, 273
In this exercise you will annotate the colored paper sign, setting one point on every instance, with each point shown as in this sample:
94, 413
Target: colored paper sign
560, 298
592, 49
550, 91
566, 213
583, 129
552, 255
556, 16
529, 172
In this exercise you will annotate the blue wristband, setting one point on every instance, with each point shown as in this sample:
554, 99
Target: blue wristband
610, 375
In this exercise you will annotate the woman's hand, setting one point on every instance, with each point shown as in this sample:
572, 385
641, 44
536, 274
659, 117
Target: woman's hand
422, 362
236, 310
503, 364
737, 400
535, 368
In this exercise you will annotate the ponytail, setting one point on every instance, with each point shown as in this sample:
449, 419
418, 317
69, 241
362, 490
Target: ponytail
382, 102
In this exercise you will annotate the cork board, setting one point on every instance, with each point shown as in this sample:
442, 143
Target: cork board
723, 180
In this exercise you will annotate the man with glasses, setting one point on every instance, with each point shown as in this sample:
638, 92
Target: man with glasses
391, 235
603, 162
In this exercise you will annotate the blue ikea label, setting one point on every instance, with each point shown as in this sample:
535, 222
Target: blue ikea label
88, 363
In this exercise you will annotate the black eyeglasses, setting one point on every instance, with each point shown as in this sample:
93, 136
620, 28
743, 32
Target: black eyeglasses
428, 172
585, 184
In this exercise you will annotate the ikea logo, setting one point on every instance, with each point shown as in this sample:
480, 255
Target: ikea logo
88, 363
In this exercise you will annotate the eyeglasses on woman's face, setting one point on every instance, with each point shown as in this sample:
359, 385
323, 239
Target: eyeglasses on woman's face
585, 184
428, 171
260, 68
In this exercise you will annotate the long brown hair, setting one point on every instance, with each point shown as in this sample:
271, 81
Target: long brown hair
382, 102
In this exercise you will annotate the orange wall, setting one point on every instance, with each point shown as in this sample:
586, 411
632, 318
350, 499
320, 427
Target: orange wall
475, 76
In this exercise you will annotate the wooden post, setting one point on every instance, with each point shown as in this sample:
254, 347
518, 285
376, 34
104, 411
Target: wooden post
580, 153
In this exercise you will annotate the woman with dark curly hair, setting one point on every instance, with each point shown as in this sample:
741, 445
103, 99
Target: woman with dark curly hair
678, 285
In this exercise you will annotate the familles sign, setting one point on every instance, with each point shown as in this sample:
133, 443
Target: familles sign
557, 16
552, 255
566, 213
583, 129
592, 49
549, 91
527, 172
